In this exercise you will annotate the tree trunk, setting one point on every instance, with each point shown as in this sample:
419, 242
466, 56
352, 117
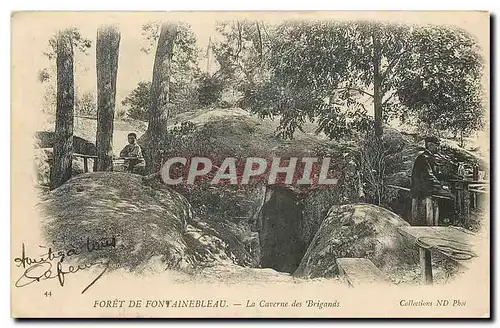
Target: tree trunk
377, 81
107, 49
65, 105
158, 113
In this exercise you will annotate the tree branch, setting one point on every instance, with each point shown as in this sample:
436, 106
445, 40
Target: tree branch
260, 41
393, 63
239, 39
388, 98
355, 89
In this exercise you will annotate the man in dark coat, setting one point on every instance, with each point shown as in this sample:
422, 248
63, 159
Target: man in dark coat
424, 184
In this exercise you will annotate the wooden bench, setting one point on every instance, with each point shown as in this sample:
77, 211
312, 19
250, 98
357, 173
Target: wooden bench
455, 243
361, 271
94, 158
85, 160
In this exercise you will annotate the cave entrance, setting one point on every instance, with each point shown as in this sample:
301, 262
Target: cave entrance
281, 244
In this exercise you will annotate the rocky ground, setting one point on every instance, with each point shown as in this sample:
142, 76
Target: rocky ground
227, 233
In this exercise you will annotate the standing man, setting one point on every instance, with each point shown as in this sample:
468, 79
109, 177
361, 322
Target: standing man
131, 153
424, 184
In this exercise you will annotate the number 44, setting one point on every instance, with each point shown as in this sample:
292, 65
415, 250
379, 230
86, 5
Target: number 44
48, 294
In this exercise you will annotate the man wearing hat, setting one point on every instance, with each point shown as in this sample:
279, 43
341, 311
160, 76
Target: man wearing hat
131, 153
424, 184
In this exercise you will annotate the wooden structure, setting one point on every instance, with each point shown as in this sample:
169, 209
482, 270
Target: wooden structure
85, 160
361, 271
431, 204
452, 242
466, 194
94, 158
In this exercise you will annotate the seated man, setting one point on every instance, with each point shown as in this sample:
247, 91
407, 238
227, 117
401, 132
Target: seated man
131, 153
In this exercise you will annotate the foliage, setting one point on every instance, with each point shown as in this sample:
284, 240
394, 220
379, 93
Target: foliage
47, 75
79, 42
49, 100
209, 90
43, 75
365, 165
184, 69
182, 98
333, 72
86, 105
120, 113
138, 101
376, 160
180, 136
444, 84
242, 53
184, 73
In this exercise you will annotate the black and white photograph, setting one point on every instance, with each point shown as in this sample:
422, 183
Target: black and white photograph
250, 164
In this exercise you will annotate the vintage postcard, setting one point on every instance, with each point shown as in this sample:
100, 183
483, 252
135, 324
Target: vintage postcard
250, 164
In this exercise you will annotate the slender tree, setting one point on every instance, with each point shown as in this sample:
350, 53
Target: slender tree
160, 89
63, 145
107, 50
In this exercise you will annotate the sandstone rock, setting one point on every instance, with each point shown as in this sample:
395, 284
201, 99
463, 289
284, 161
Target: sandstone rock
144, 221
221, 133
357, 230
42, 161
45, 139
149, 221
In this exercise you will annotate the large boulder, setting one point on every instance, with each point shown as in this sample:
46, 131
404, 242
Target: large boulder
220, 133
236, 210
46, 139
357, 230
43, 155
145, 221
43, 162
150, 222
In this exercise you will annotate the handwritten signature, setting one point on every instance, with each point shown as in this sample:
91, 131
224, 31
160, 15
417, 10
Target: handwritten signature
41, 268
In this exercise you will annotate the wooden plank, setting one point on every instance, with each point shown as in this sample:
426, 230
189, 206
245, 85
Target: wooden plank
446, 237
425, 265
459, 235
435, 208
478, 191
85, 164
414, 210
476, 185
475, 177
420, 232
408, 189
430, 211
451, 233
360, 271
398, 187
84, 156
441, 236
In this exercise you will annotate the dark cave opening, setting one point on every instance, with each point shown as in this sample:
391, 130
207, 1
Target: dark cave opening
281, 244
